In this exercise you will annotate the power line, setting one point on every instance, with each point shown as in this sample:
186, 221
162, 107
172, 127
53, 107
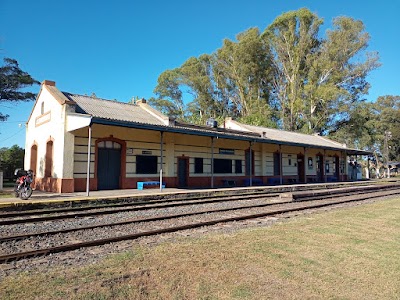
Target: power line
12, 135
1, 122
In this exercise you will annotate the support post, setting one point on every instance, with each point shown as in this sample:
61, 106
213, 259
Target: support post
280, 165
305, 165
250, 165
88, 161
324, 166
161, 159
356, 163
212, 162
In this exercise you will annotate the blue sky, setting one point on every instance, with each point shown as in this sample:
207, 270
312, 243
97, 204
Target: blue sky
117, 49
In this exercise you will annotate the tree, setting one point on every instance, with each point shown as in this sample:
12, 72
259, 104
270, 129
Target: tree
289, 77
12, 80
242, 71
369, 125
337, 76
387, 114
11, 159
293, 41
316, 80
233, 81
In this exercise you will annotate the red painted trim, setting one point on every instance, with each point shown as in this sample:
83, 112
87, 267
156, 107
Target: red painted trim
33, 160
122, 177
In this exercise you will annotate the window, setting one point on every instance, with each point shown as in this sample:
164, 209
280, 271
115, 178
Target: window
289, 160
42, 108
277, 164
198, 165
222, 165
238, 166
49, 159
109, 145
146, 164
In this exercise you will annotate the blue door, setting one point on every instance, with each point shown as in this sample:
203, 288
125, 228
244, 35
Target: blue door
108, 166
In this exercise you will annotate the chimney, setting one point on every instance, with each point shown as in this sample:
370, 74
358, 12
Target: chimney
140, 101
49, 82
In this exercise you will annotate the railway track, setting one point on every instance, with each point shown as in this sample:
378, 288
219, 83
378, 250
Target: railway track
147, 226
87, 211
62, 214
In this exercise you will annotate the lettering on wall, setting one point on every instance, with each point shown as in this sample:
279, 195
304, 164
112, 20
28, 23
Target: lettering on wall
42, 119
226, 151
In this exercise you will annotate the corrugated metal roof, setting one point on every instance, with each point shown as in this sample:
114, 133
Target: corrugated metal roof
113, 110
291, 137
117, 112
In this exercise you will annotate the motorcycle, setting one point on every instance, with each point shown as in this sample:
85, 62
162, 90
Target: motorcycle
22, 188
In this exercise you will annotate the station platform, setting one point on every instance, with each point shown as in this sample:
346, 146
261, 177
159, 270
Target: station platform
46, 198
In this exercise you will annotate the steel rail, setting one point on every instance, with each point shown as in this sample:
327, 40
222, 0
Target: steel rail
131, 201
175, 203
137, 207
74, 246
164, 217
138, 220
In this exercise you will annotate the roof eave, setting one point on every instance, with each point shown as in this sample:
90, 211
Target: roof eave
183, 130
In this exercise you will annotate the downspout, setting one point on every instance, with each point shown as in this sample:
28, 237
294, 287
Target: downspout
88, 159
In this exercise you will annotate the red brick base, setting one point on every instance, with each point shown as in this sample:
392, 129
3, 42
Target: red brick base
55, 185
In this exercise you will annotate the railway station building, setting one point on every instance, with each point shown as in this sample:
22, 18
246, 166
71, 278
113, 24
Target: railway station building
81, 143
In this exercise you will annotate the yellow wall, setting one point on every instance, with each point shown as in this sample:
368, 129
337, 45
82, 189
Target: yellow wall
178, 145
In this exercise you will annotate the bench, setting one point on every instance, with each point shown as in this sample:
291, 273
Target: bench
254, 181
229, 182
148, 185
274, 181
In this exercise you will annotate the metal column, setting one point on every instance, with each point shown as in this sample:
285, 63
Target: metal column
88, 161
212, 162
280, 165
305, 164
324, 166
161, 159
250, 166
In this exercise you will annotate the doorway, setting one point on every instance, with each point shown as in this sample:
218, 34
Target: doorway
108, 165
183, 171
300, 168
320, 168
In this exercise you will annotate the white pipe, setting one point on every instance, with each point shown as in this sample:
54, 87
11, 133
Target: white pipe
161, 180
161, 159
88, 161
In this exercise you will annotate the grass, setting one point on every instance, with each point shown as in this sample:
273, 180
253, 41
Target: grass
351, 253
